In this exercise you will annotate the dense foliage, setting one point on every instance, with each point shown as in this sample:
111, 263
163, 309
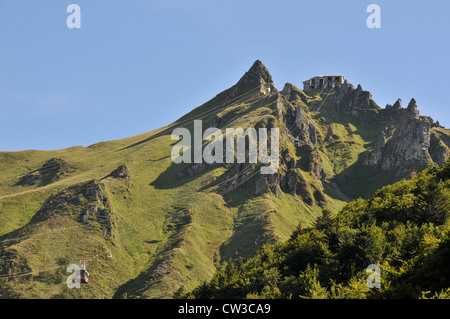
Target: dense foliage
404, 228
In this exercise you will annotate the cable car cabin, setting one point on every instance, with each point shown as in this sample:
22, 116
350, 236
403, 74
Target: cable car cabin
296, 142
82, 275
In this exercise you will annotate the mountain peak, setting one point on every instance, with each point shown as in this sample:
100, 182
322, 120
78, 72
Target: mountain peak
258, 73
398, 104
412, 109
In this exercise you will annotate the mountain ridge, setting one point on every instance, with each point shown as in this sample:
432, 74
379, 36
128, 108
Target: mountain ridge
169, 225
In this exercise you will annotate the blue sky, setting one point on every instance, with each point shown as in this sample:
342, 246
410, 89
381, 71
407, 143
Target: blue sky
137, 65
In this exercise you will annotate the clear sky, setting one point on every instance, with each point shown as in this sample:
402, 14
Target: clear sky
137, 65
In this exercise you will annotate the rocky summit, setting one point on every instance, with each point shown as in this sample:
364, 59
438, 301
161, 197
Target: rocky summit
148, 228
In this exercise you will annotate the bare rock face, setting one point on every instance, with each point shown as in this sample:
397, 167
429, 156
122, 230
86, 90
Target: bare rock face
290, 93
120, 172
258, 74
414, 145
409, 143
262, 186
439, 148
398, 104
412, 111
267, 183
375, 155
257, 77
406, 144
298, 120
352, 101
361, 100
291, 181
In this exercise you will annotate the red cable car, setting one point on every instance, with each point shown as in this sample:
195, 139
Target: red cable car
296, 141
82, 275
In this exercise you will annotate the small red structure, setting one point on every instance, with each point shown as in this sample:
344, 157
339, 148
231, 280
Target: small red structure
82, 275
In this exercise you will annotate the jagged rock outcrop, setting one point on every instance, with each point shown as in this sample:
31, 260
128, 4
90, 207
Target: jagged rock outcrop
307, 131
215, 122
291, 93
291, 181
375, 155
409, 143
120, 172
392, 112
300, 126
414, 144
405, 143
257, 75
267, 183
439, 149
352, 101
315, 163
397, 105
296, 105
85, 202
412, 111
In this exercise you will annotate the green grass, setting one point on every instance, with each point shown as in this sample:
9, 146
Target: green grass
169, 232
404, 229
148, 237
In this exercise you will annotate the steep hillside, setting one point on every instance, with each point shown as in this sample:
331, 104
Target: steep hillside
404, 229
148, 226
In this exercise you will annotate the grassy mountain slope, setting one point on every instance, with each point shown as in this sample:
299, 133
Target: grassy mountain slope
166, 232
167, 226
404, 228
